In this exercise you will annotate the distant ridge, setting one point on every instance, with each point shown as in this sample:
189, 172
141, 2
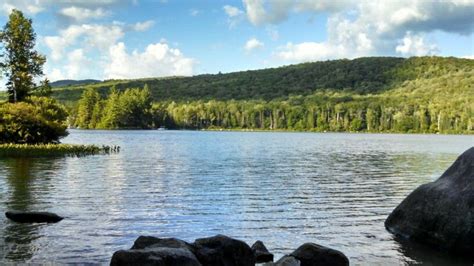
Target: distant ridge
364, 76
72, 82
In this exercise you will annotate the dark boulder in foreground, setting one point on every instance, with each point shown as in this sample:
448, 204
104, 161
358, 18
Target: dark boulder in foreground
159, 256
440, 213
33, 217
150, 241
148, 250
261, 252
312, 254
221, 250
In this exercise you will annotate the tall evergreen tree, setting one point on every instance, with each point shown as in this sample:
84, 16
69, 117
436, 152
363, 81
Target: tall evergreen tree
20, 62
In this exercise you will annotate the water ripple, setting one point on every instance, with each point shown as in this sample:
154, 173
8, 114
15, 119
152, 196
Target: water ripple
282, 188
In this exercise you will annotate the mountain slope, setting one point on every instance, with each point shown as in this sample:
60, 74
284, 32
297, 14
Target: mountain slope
370, 75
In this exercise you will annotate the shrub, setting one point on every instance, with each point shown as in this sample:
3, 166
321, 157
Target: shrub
37, 120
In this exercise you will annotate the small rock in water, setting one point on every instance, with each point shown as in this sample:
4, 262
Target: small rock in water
312, 254
148, 250
222, 250
33, 217
160, 256
261, 252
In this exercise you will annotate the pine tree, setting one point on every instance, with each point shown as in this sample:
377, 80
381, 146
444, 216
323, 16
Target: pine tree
20, 62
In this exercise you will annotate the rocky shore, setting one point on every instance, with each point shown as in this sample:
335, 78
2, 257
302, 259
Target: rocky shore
220, 250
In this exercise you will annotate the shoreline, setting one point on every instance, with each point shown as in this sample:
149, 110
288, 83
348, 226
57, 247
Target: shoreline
280, 131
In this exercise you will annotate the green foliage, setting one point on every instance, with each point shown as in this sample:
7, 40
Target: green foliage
44, 89
89, 101
20, 62
37, 120
419, 94
128, 109
52, 150
322, 112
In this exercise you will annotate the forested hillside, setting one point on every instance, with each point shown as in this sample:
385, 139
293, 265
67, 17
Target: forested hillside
376, 94
363, 75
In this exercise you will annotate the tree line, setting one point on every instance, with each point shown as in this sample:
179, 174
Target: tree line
130, 109
322, 111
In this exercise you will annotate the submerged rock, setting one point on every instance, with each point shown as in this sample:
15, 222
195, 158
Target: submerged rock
313, 254
261, 252
440, 213
33, 217
221, 250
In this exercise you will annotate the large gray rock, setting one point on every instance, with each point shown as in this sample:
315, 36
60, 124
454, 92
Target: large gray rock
310, 254
148, 250
33, 217
221, 250
440, 213
261, 252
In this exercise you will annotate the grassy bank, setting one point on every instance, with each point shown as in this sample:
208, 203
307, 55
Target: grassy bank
52, 150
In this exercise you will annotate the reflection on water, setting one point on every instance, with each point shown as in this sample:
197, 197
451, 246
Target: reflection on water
282, 188
21, 174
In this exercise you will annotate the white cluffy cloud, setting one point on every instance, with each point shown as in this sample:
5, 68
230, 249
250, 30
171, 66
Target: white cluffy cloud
362, 28
37, 6
157, 60
253, 44
234, 15
75, 46
90, 35
143, 26
80, 14
74, 67
415, 45
30, 7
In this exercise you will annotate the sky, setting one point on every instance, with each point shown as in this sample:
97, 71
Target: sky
122, 39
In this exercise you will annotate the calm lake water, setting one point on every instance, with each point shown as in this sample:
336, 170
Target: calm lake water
282, 188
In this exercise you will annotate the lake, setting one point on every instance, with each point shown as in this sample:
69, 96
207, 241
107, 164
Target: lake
282, 188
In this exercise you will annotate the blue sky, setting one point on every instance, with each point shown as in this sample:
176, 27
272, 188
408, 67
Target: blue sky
106, 39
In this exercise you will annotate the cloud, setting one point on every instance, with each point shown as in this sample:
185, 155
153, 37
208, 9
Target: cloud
30, 7
261, 12
194, 12
234, 15
253, 44
364, 28
36, 6
415, 45
308, 51
273, 33
143, 26
157, 60
73, 68
80, 14
93, 36
232, 11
